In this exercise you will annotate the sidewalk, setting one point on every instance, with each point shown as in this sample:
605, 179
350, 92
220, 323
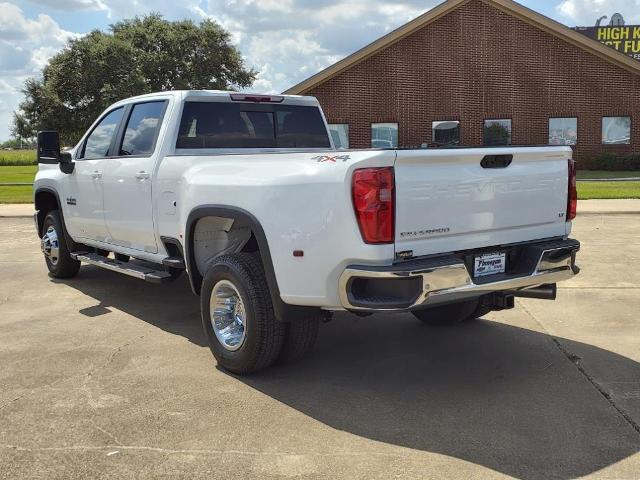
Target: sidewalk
597, 207
16, 210
585, 207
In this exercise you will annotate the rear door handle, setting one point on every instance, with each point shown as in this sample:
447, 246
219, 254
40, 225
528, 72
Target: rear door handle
97, 174
142, 176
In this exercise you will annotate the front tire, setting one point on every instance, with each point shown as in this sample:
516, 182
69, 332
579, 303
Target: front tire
448, 315
237, 314
55, 249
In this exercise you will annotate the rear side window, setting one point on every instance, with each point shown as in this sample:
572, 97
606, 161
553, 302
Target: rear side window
142, 129
245, 125
99, 140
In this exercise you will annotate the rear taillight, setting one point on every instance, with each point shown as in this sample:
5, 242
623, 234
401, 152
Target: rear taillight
572, 198
373, 200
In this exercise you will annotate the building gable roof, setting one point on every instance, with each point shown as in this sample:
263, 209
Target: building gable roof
507, 6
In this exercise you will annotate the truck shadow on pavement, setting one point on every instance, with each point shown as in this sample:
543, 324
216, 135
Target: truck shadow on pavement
171, 307
507, 398
503, 397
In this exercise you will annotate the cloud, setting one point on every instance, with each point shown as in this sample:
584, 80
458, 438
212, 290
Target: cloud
290, 40
587, 12
285, 40
118, 9
25, 47
72, 5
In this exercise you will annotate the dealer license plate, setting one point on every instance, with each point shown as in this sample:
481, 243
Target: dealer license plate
489, 264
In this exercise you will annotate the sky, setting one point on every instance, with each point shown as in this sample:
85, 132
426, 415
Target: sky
285, 40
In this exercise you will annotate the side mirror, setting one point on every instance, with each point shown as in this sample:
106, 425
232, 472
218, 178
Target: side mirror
49, 151
66, 163
48, 147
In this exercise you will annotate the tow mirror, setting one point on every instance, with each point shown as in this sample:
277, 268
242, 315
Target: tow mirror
49, 151
48, 147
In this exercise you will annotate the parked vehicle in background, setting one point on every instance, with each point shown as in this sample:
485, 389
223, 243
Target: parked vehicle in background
276, 229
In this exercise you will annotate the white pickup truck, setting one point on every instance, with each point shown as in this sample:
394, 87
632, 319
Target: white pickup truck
276, 229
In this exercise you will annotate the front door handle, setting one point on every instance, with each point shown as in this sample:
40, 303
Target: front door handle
97, 174
142, 176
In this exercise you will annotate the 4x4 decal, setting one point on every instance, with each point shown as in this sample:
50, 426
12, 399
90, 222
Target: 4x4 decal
331, 158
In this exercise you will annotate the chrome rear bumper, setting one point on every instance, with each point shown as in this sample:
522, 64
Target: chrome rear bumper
421, 283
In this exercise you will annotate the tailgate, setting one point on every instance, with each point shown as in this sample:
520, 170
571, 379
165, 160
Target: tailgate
446, 200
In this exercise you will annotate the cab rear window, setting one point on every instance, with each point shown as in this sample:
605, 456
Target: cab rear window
247, 125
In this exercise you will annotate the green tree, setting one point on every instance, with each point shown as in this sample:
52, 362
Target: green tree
20, 131
496, 134
136, 56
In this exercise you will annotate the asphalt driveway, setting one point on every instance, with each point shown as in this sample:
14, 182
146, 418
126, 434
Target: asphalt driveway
106, 376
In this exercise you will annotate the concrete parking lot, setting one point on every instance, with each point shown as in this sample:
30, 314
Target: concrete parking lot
106, 376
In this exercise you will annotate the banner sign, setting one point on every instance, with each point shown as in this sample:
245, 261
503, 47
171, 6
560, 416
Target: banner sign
625, 39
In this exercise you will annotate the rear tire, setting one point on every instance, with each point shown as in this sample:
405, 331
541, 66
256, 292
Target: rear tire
245, 336
300, 338
55, 249
448, 315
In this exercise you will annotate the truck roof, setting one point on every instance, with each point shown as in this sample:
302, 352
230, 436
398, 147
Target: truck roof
219, 94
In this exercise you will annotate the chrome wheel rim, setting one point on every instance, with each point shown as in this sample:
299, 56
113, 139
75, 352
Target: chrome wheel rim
228, 315
50, 246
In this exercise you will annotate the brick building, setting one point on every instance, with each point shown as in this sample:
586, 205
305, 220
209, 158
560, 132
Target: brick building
474, 72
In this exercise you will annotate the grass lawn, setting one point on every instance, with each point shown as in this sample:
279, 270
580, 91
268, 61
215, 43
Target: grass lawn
603, 190
17, 157
20, 194
22, 174
598, 174
19, 174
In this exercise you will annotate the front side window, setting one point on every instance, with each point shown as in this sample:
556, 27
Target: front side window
340, 134
384, 135
497, 132
563, 131
446, 133
616, 130
142, 129
245, 125
99, 140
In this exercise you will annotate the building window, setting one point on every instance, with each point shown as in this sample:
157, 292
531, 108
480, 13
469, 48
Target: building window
563, 131
446, 133
616, 130
384, 135
339, 134
497, 132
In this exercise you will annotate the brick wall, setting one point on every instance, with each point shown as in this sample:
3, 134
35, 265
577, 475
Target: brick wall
478, 63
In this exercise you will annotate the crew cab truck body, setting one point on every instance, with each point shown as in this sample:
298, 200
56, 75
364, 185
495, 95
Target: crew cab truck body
276, 228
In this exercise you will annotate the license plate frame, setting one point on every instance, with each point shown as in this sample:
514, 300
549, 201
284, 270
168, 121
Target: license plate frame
487, 264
